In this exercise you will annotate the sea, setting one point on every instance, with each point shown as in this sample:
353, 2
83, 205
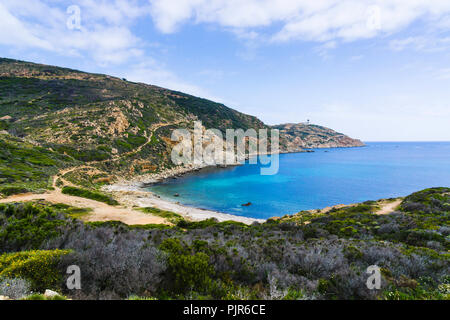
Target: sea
314, 180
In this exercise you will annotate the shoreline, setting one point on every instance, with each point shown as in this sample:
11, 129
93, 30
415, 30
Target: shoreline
132, 192
136, 196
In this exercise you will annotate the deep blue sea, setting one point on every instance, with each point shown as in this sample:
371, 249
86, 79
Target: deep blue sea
316, 180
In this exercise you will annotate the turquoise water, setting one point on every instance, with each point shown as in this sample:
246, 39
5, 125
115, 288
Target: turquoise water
316, 180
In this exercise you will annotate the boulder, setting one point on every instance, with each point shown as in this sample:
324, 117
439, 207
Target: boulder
50, 294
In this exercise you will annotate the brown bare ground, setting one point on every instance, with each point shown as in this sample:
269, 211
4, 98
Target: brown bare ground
388, 207
100, 211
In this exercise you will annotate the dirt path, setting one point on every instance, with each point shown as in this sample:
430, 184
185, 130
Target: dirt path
100, 211
149, 140
88, 165
389, 207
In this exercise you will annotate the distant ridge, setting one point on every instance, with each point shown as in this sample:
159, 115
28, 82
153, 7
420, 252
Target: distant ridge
306, 136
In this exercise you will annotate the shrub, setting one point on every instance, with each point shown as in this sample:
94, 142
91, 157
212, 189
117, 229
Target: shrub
42, 297
115, 263
170, 216
83, 193
14, 288
27, 226
189, 272
433, 200
9, 191
137, 298
4, 125
38, 267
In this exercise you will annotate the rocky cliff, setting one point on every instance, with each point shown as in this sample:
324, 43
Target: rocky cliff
307, 136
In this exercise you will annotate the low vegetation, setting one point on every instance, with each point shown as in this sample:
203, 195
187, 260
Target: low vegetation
25, 167
88, 194
38, 267
305, 256
170, 216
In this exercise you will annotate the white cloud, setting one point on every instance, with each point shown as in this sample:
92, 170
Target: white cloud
151, 73
323, 50
105, 36
14, 32
421, 43
105, 33
319, 20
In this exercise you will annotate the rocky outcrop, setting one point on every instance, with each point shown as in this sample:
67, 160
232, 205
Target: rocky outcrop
297, 137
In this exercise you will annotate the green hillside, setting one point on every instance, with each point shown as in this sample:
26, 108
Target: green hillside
26, 167
96, 117
121, 128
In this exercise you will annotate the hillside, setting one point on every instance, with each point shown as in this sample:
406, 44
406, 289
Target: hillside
119, 127
26, 167
308, 136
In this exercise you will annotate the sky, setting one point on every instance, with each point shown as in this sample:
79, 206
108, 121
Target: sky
378, 70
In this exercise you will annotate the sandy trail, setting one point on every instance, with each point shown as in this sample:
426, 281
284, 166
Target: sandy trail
101, 211
389, 207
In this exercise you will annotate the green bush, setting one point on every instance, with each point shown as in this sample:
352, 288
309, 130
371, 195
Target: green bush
189, 271
171, 216
93, 195
24, 166
209, 223
27, 226
40, 268
428, 201
9, 191
42, 297
4, 125
85, 155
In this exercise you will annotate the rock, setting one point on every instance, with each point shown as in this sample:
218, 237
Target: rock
4, 298
50, 294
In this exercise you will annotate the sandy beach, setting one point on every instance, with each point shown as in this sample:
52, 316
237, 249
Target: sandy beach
134, 194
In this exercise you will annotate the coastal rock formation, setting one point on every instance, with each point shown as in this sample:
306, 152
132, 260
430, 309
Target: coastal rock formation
309, 136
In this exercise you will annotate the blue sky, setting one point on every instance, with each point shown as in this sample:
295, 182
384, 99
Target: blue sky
377, 70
